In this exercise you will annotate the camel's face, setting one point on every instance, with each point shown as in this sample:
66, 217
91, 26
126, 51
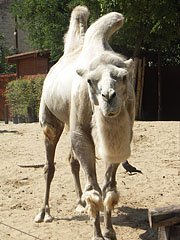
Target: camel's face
107, 86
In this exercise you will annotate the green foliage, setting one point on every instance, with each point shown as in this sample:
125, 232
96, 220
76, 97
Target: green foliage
157, 21
47, 21
24, 93
5, 67
149, 25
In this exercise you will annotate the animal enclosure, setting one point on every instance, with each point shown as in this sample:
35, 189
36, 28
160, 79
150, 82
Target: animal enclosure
155, 150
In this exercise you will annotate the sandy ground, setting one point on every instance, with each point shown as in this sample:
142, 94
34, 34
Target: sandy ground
155, 150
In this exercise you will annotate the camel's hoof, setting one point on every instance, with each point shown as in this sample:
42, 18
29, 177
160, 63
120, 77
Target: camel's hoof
109, 234
80, 208
48, 218
40, 217
44, 215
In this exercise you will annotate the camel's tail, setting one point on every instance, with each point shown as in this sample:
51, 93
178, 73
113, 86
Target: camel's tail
74, 38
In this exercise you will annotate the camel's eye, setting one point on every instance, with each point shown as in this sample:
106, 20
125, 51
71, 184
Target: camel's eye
124, 79
115, 76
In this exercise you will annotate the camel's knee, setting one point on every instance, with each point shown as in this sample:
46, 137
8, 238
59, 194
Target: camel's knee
93, 201
50, 132
75, 166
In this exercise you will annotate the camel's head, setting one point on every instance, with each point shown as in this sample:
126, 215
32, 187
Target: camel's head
107, 83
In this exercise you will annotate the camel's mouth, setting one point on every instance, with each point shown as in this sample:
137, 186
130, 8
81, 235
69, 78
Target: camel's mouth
113, 114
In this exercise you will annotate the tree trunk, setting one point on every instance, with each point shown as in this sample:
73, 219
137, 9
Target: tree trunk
139, 42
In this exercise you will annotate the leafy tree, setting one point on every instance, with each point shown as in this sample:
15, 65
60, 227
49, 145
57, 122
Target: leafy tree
22, 94
149, 25
4, 51
47, 21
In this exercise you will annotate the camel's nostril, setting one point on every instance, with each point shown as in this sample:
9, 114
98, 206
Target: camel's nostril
108, 97
105, 97
113, 95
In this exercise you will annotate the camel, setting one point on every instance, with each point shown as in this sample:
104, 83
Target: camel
89, 91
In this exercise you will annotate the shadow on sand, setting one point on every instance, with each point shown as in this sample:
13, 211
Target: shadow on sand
6, 131
135, 218
126, 216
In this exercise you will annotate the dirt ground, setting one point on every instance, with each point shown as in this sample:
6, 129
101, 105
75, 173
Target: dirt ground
155, 150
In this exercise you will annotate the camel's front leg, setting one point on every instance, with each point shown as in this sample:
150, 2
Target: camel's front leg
111, 197
83, 147
52, 134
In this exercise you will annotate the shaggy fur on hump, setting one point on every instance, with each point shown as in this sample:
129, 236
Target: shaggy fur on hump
99, 33
74, 38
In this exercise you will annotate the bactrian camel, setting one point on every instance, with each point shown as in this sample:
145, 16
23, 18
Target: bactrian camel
89, 90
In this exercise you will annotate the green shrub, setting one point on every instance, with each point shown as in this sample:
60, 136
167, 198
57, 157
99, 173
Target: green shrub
24, 94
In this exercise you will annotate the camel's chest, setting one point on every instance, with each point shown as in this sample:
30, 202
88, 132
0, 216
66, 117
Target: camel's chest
113, 139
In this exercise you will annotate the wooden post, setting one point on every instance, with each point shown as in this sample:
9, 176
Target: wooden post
159, 86
138, 87
6, 113
167, 219
169, 233
136, 60
141, 89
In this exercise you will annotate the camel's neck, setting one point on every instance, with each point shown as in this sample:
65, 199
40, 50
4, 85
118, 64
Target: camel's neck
112, 136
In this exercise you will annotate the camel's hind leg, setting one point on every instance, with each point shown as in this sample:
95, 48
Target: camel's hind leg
75, 167
52, 129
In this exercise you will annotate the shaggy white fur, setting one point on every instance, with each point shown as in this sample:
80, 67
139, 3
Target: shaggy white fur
94, 202
111, 199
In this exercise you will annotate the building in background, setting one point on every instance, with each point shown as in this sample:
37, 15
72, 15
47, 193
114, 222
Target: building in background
16, 40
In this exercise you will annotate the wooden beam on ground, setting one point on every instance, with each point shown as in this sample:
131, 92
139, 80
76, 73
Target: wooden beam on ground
165, 216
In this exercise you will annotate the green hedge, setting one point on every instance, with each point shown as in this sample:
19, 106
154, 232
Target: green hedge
23, 96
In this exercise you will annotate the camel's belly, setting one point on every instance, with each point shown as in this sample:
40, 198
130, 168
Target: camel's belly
57, 95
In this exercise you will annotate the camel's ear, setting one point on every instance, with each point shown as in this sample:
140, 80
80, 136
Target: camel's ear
81, 72
129, 64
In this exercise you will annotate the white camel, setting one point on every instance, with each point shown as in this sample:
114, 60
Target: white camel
89, 90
